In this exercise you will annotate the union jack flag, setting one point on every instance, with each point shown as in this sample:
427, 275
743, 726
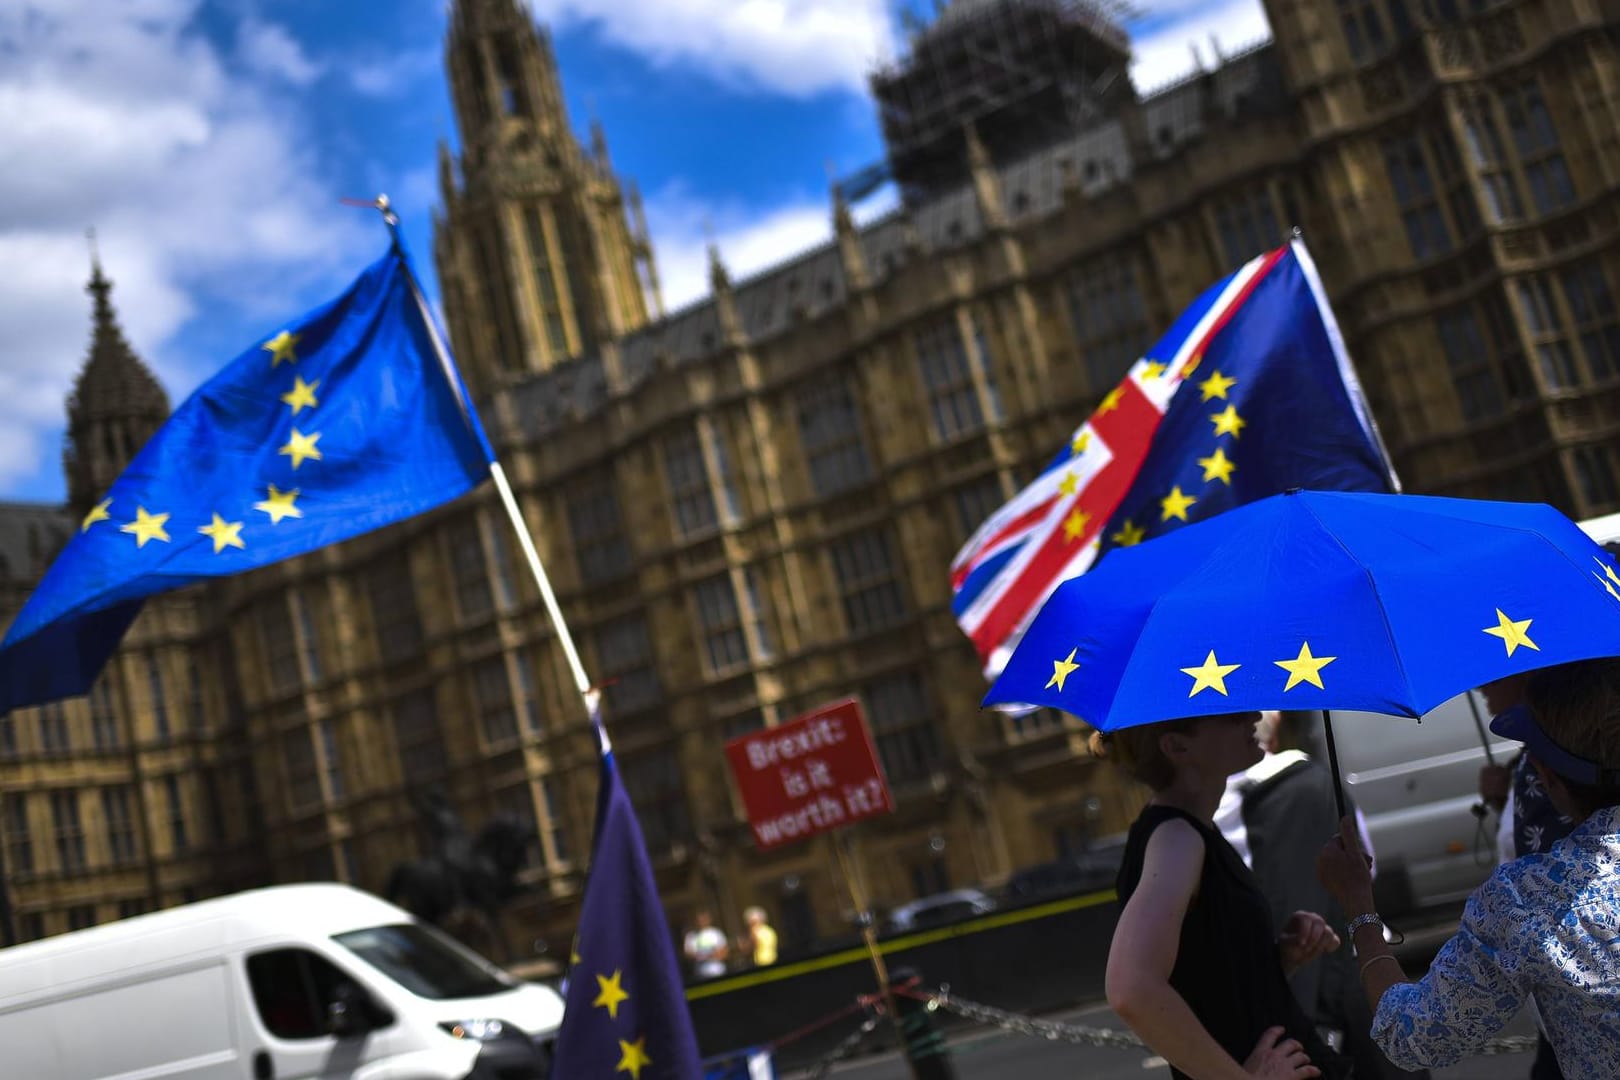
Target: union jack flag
1259, 350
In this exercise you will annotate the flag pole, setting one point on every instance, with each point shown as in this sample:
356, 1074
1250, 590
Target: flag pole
587, 692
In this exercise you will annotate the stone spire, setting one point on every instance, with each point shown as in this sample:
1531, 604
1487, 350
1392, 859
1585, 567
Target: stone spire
116, 404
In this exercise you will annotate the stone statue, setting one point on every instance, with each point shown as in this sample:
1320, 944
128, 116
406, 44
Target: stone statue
463, 881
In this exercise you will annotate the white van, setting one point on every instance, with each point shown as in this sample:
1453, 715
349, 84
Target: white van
285, 983
1417, 784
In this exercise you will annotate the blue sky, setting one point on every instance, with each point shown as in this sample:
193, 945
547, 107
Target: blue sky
209, 141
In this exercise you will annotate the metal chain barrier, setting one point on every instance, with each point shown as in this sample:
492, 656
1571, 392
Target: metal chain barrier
1057, 1031
1051, 1030
845, 1048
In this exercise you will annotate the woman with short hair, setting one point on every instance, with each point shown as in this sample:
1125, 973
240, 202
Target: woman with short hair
1197, 968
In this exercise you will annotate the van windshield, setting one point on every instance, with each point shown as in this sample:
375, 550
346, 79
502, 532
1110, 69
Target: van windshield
424, 962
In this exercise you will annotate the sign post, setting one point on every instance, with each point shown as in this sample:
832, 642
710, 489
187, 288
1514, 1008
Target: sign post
818, 773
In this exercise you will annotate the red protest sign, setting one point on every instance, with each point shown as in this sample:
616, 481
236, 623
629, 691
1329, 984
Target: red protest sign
811, 774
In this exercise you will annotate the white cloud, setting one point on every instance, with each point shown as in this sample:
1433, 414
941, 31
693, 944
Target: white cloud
201, 186
748, 241
388, 76
1165, 53
270, 50
796, 47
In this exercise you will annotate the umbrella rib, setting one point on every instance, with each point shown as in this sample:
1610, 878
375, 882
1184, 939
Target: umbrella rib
1383, 615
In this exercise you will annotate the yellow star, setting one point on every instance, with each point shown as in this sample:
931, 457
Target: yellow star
1607, 584
1111, 402
1228, 422
634, 1057
1216, 385
1218, 467
1153, 370
1608, 579
146, 527
1128, 535
1175, 504
99, 513
280, 348
302, 446
302, 394
1061, 670
1512, 632
1305, 668
280, 504
612, 993
1074, 526
1192, 365
1211, 675
223, 533
1081, 441
1069, 484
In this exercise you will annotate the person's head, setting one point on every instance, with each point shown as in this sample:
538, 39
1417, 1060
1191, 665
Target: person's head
754, 916
1570, 725
1502, 694
1208, 747
704, 920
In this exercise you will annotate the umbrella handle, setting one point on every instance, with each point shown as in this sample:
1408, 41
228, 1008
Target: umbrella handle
1333, 762
1479, 725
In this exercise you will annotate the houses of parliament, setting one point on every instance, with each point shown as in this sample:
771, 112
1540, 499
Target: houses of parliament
748, 506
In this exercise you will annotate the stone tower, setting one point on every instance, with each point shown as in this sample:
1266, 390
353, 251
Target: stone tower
116, 405
537, 258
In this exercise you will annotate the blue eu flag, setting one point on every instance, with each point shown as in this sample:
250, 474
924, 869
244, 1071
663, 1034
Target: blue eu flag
336, 424
626, 1008
1269, 402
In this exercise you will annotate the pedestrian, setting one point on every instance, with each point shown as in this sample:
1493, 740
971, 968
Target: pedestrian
1275, 814
1528, 823
1197, 967
705, 946
1541, 928
758, 943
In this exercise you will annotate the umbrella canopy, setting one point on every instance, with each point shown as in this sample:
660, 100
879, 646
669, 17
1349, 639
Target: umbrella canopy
1319, 600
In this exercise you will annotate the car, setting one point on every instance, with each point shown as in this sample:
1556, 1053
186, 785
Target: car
1092, 870
940, 909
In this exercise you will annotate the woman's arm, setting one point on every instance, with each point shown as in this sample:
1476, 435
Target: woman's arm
1143, 954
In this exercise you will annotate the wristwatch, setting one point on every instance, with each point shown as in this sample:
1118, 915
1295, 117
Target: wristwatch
1369, 919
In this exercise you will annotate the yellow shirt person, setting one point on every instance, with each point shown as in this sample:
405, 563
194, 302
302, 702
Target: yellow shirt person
760, 939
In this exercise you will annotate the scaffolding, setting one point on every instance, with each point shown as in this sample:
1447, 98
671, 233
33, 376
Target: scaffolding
1024, 72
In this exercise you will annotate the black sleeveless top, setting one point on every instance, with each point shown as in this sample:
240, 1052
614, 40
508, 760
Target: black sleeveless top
1227, 967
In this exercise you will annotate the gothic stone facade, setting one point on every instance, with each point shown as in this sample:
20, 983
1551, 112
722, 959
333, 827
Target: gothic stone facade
748, 506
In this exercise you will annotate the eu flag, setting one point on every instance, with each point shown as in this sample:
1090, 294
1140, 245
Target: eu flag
1248, 394
625, 1010
335, 424
1267, 402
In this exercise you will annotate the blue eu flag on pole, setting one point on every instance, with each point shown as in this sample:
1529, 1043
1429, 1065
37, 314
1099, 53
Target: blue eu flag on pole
337, 423
625, 1010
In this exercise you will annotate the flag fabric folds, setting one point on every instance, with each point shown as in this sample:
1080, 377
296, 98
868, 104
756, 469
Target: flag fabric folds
337, 423
1249, 394
625, 1009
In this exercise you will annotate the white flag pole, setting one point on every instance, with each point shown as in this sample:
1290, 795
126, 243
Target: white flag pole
590, 694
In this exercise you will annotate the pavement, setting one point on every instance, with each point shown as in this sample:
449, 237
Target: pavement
982, 1052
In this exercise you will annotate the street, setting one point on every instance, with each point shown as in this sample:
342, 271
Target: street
982, 1053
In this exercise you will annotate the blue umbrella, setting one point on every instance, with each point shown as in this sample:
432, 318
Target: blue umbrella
1319, 600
